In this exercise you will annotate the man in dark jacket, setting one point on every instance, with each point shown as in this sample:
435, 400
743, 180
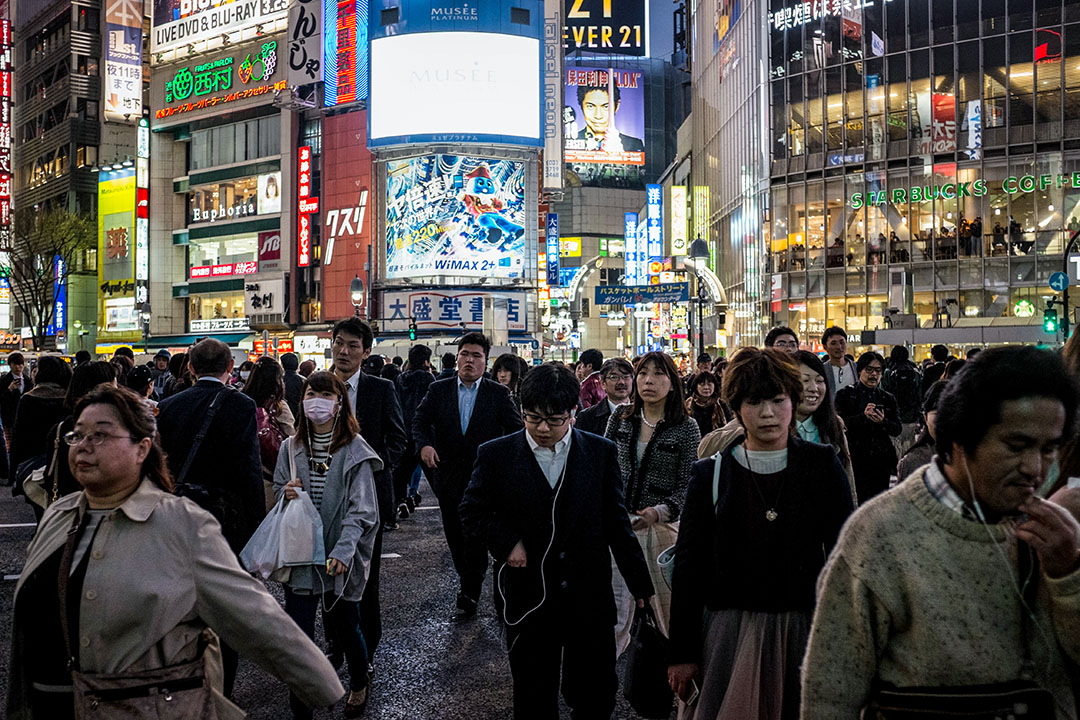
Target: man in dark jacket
13, 384
224, 473
448, 371
552, 525
617, 376
871, 420
940, 356
457, 416
378, 412
412, 387
904, 382
294, 383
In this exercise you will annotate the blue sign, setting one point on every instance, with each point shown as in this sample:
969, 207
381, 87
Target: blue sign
1059, 281
631, 250
663, 293
654, 220
553, 278
59, 319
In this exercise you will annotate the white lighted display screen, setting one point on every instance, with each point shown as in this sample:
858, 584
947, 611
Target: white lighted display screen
464, 86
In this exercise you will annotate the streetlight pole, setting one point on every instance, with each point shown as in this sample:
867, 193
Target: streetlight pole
699, 254
356, 294
1065, 293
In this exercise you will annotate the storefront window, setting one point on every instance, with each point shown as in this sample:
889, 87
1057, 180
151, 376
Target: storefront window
238, 251
255, 195
216, 312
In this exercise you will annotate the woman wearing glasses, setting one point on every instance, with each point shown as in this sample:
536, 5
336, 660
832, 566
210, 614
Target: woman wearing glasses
336, 468
872, 420
657, 444
143, 574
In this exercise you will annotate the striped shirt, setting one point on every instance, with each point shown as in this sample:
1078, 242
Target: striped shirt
320, 453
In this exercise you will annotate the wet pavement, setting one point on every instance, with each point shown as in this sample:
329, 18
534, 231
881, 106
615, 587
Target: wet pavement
426, 665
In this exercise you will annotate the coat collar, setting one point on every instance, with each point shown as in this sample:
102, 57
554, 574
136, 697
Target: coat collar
138, 507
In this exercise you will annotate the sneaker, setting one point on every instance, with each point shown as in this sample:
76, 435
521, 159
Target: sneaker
403, 510
389, 525
411, 504
357, 703
417, 498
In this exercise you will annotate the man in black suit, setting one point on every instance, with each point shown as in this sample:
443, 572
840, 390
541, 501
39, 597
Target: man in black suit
599, 110
617, 376
548, 501
377, 409
455, 417
294, 383
412, 387
225, 472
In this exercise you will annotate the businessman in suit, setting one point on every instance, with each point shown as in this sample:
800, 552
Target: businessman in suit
617, 379
225, 474
455, 417
375, 404
548, 502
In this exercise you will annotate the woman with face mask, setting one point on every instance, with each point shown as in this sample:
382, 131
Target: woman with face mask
243, 374
335, 467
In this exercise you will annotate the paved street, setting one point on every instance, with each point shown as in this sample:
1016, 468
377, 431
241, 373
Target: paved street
426, 666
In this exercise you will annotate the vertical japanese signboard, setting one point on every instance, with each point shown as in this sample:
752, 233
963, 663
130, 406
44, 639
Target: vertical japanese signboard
654, 222
345, 51
630, 239
553, 249
5, 129
678, 219
701, 220
305, 42
142, 213
116, 278
123, 86
553, 53
303, 235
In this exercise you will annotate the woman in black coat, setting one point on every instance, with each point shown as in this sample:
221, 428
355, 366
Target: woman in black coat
39, 410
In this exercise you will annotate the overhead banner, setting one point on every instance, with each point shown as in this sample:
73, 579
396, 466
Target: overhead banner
448, 309
190, 22
123, 86
601, 27
455, 215
345, 51
305, 42
604, 126
660, 293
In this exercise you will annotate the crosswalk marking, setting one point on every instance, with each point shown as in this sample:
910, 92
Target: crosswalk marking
22, 525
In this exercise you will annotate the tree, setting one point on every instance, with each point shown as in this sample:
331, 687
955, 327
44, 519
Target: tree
45, 243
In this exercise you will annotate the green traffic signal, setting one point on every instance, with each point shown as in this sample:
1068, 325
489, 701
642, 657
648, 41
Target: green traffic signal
1050, 320
412, 331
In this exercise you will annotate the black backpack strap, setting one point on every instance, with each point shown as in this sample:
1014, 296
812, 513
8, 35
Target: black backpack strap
212, 410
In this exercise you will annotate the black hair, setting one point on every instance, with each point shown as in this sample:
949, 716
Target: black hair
390, 371
933, 396
675, 405
53, 369
778, 331
971, 402
972, 352
899, 354
266, 384
583, 90
126, 352
704, 357
756, 374
85, 378
357, 328
616, 363
448, 361
940, 353
829, 332
868, 357
705, 377
289, 362
419, 356
509, 362
138, 419
176, 364
82, 357
825, 417
593, 358
549, 390
953, 368
475, 338
346, 427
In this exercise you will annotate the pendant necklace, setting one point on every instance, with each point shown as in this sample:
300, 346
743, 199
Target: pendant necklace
770, 512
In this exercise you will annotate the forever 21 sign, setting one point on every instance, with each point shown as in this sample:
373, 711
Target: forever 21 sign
609, 27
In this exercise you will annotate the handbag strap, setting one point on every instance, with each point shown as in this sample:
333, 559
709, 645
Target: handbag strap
716, 478
54, 469
292, 459
62, 584
201, 434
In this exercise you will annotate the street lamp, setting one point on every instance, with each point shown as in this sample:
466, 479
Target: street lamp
699, 254
356, 293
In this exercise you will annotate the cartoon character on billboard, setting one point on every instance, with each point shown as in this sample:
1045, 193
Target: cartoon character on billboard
482, 202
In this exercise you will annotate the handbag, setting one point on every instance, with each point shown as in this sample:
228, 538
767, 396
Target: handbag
32, 476
270, 438
185, 691
1020, 699
645, 683
666, 560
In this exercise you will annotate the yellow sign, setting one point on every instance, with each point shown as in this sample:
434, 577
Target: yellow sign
569, 247
118, 315
701, 221
678, 220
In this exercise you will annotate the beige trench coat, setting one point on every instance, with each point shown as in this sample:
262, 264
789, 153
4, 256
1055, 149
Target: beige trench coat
159, 572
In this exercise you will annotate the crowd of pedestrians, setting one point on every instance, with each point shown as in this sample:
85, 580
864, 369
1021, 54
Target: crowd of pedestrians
814, 537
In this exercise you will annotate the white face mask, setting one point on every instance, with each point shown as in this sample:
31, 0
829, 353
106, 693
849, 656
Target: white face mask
320, 410
245, 374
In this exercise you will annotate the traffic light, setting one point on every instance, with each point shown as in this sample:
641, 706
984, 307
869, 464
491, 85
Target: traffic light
1050, 320
412, 330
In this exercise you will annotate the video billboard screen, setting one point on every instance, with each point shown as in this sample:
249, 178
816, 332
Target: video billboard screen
604, 126
455, 215
455, 87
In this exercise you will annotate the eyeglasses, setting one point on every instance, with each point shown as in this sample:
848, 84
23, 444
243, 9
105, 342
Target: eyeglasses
552, 422
872, 369
618, 378
97, 439
786, 343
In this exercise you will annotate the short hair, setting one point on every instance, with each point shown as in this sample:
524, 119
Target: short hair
583, 90
775, 334
209, 357
972, 352
448, 361
16, 358
971, 402
940, 353
139, 379
289, 362
357, 328
398, 360
549, 389
953, 368
899, 354
704, 357
593, 358
834, 330
82, 357
176, 364
616, 363
756, 374
138, 421
374, 364
85, 378
868, 357
509, 362
53, 369
126, 352
933, 396
703, 377
390, 371
475, 338
419, 355
306, 368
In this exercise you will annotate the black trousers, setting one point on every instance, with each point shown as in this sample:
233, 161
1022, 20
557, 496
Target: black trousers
583, 651
469, 555
370, 609
403, 474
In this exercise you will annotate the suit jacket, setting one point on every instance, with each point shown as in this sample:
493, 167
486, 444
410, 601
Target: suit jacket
294, 384
503, 508
378, 411
228, 460
594, 420
438, 423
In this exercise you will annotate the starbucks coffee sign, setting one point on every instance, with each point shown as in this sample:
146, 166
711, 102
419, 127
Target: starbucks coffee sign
1012, 185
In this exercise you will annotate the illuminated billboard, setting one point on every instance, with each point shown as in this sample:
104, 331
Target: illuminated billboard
123, 86
455, 87
604, 126
601, 27
345, 60
348, 208
190, 22
116, 236
455, 215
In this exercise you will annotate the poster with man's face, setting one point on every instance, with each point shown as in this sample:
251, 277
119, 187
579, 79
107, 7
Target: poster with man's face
604, 126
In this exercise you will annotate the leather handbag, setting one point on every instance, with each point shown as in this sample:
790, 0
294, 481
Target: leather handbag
645, 683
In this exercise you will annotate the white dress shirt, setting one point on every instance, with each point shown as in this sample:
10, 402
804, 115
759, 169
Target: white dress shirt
551, 462
350, 388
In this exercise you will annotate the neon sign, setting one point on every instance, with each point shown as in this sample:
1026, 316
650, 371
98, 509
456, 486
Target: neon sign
217, 75
211, 271
1011, 185
306, 206
217, 100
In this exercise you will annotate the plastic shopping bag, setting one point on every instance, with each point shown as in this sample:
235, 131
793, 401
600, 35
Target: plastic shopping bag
290, 534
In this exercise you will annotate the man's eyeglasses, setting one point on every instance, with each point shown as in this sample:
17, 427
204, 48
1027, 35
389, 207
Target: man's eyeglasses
97, 439
552, 422
786, 344
872, 370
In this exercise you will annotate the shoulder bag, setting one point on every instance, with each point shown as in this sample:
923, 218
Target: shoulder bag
1020, 699
666, 560
33, 480
209, 498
